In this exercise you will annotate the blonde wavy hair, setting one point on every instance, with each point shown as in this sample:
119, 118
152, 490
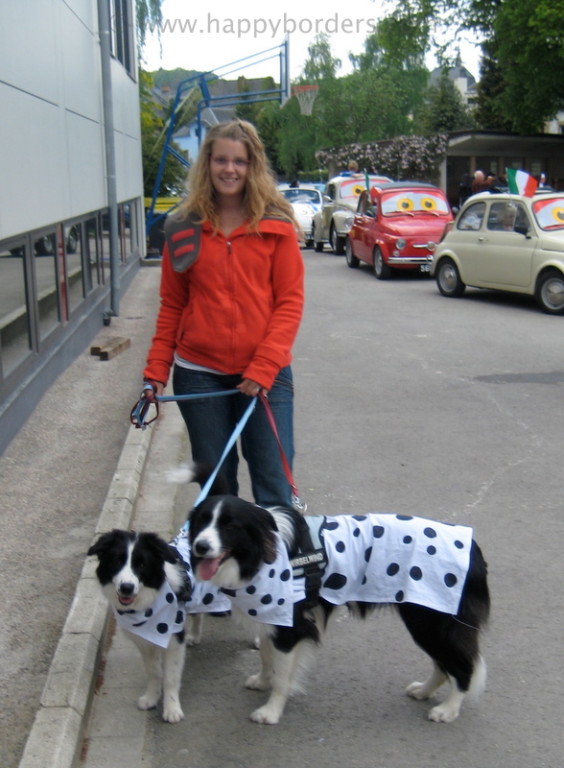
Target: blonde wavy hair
261, 197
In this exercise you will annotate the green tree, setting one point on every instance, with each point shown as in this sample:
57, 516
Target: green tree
444, 109
490, 112
153, 134
524, 42
149, 17
529, 37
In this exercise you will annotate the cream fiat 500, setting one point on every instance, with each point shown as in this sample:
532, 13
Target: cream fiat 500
506, 242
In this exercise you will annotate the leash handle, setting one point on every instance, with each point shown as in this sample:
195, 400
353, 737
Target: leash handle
297, 503
138, 415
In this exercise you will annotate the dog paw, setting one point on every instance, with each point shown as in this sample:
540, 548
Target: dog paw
257, 683
444, 713
192, 640
172, 712
265, 716
147, 702
417, 691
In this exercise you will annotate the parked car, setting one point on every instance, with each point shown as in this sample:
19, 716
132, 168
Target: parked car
306, 200
332, 223
509, 243
397, 226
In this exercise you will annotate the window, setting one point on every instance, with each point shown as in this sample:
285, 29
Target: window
15, 341
472, 217
122, 44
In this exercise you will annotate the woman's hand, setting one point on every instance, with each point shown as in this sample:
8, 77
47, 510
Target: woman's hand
251, 388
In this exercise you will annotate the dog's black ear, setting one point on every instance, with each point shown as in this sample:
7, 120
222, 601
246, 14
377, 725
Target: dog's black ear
104, 543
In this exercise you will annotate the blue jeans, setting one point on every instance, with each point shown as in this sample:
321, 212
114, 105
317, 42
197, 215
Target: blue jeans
211, 421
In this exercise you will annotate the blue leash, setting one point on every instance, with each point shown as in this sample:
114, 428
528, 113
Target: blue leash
138, 415
239, 427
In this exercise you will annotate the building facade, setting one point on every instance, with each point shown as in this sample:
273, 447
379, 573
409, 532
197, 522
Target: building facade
71, 191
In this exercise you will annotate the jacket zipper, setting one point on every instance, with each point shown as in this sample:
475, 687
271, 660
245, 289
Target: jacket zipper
230, 288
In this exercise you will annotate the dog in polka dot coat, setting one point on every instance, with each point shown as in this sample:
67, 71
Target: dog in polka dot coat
432, 573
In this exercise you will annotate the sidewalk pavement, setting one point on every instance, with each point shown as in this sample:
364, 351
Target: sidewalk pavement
60, 484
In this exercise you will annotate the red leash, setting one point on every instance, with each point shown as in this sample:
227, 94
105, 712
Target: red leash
296, 501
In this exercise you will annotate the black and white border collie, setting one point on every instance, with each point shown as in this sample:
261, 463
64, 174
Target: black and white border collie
232, 539
133, 568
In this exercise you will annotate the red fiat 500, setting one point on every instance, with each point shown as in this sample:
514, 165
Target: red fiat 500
397, 226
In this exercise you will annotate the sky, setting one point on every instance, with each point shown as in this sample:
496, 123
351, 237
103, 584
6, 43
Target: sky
211, 36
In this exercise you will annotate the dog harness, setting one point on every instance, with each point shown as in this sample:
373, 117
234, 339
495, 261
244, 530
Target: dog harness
167, 614
374, 558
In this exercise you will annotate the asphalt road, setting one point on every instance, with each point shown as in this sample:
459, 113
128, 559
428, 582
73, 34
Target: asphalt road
412, 403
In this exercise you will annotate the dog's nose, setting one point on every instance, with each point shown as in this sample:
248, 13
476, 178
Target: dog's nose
201, 548
126, 588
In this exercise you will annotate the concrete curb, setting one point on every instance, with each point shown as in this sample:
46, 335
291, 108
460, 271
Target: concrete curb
56, 734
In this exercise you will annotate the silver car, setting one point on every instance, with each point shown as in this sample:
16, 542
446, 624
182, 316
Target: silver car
506, 242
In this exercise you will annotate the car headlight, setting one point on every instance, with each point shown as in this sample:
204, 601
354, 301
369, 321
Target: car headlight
347, 223
431, 246
400, 243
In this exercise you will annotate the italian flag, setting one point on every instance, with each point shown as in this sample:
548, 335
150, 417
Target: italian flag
521, 183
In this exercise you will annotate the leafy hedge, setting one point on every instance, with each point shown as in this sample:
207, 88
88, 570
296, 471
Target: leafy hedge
404, 157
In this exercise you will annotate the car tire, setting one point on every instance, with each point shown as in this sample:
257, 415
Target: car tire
337, 243
448, 279
550, 292
381, 270
72, 240
309, 243
351, 259
317, 244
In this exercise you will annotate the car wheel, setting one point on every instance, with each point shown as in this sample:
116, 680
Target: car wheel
448, 279
309, 243
72, 240
44, 246
381, 270
550, 292
318, 244
352, 260
337, 243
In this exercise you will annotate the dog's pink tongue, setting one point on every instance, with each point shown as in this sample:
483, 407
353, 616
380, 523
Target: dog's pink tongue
208, 567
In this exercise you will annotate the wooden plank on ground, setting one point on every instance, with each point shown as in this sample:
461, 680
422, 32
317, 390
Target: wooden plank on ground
111, 347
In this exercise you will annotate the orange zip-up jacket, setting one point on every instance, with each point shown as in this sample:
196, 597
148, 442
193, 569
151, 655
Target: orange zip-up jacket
237, 309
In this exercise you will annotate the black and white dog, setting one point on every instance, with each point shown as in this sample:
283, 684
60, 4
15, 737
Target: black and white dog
151, 588
434, 574
136, 571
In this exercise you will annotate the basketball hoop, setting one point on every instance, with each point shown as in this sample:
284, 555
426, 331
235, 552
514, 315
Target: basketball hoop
306, 94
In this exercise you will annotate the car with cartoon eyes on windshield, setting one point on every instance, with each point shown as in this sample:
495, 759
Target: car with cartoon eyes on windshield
397, 226
340, 200
506, 242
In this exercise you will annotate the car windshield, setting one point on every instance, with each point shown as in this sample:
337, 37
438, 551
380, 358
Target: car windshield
549, 212
414, 202
351, 189
297, 195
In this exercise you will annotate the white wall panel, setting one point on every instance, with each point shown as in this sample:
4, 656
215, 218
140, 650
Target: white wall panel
33, 154
29, 47
85, 165
86, 11
81, 75
129, 169
52, 151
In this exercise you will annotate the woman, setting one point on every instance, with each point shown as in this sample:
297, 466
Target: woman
228, 320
